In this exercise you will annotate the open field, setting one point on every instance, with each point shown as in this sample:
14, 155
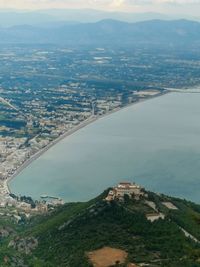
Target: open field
107, 256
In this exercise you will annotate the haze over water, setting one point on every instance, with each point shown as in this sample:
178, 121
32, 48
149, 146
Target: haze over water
155, 143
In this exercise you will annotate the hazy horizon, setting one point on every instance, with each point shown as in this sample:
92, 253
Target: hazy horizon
168, 7
54, 16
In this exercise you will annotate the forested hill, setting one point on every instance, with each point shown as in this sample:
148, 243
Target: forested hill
108, 33
76, 234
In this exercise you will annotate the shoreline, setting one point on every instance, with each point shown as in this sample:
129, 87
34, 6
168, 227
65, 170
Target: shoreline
76, 128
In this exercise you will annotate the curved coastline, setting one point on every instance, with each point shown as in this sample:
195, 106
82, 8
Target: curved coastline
83, 124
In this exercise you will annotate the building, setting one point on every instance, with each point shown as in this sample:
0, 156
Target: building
24, 206
125, 188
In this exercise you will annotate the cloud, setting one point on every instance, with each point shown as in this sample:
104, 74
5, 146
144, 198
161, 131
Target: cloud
180, 2
128, 5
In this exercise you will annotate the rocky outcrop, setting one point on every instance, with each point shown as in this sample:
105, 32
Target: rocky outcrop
24, 245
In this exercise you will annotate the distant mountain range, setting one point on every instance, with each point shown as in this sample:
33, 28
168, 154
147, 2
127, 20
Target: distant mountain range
49, 17
91, 15
108, 33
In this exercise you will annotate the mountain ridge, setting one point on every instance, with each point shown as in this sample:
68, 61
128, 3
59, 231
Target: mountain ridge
69, 234
107, 33
11, 17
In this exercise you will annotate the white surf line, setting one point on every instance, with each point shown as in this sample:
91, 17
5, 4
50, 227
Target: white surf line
185, 90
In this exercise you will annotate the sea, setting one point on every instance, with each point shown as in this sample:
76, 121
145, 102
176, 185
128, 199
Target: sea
155, 143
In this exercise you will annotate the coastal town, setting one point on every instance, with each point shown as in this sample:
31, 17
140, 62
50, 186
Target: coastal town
52, 92
17, 152
39, 106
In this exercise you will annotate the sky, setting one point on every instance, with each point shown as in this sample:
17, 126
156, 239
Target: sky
190, 7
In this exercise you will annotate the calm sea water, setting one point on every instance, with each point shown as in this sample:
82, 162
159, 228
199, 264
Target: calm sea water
154, 143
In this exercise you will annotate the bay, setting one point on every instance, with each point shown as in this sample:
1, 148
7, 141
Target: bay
155, 143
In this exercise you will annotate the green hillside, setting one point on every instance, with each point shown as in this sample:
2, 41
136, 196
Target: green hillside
65, 236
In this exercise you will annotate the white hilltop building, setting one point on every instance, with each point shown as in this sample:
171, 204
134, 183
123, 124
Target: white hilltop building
125, 188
